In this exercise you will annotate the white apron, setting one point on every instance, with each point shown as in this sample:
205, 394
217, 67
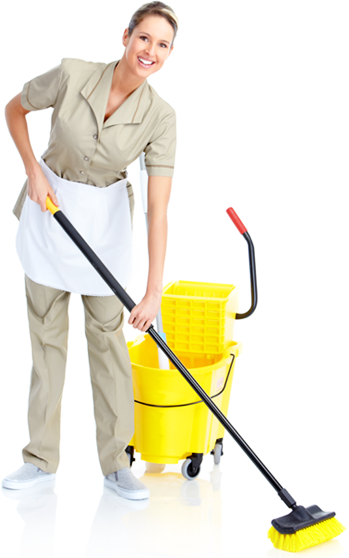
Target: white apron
101, 215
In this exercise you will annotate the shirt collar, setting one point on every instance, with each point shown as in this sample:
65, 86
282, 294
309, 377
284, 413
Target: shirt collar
96, 92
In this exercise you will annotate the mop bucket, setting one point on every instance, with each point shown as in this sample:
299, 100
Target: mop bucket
171, 421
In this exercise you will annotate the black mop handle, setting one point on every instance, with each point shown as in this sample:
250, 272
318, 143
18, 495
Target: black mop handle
129, 304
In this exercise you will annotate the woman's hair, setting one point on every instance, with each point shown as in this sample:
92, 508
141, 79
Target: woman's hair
154, 8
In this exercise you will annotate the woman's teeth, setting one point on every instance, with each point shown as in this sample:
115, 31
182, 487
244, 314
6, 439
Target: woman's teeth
145, 62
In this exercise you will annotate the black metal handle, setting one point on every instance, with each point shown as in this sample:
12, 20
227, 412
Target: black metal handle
251, 256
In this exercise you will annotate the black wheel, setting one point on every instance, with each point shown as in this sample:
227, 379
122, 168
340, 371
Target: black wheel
217, 453
189, 471
130, 451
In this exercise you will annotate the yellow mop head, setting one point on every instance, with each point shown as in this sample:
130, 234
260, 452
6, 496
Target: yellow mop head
307, 537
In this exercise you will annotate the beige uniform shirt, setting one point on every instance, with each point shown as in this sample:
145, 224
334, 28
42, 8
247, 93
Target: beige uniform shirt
81, 146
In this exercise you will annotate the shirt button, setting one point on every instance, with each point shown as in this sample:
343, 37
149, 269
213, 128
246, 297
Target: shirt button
86, 158
81, 172
95, 136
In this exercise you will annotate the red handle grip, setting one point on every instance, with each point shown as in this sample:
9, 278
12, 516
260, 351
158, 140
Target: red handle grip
237, 222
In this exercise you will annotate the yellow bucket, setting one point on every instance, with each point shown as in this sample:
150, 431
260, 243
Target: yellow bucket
170, 421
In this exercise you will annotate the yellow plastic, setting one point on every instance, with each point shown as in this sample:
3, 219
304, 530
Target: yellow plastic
169, 434
51, 206
199, 317
307, 537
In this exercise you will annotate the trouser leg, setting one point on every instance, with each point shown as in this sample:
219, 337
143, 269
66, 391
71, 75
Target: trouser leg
111, 379
48, 323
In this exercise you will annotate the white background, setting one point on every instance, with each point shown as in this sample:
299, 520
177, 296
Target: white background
261, 93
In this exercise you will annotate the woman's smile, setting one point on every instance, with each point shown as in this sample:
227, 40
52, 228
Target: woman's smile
145, 62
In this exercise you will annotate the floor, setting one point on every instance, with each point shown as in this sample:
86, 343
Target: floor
296, 427
214, 515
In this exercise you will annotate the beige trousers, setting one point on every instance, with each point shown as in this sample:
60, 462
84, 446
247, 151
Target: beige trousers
110, 370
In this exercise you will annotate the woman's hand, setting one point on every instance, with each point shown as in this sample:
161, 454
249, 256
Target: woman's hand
39, 188
143, 314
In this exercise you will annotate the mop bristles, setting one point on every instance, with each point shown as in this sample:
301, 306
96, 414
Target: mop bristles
307, 537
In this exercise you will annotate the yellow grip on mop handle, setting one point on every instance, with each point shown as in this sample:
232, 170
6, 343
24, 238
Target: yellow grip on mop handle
129, 304
51, 206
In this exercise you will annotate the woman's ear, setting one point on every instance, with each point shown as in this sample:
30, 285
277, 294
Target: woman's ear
125, 38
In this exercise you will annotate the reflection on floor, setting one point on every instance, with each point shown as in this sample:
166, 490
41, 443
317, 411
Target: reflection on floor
191, 508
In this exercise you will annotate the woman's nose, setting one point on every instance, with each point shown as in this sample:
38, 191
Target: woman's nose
151, 49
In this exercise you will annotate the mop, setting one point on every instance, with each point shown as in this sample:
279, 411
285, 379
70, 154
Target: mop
302, 527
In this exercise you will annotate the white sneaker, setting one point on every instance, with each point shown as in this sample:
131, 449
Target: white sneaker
26, 476
126, 485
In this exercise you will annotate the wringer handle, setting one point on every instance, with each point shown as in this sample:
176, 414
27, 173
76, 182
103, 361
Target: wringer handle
243, 230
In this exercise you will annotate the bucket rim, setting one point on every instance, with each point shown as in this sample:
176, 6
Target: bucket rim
234, 348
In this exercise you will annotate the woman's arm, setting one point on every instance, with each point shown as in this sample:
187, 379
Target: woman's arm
159, 189
38, 185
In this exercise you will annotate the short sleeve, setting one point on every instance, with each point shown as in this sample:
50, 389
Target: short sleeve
41, 92
161, 150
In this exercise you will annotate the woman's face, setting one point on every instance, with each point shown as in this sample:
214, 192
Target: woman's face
148, 46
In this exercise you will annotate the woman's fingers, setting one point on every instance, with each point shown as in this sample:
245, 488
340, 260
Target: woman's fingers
140, 321
53, 196
143, 314
39, 188
43, 198
136, 319
146, 325
143, 324
42, 203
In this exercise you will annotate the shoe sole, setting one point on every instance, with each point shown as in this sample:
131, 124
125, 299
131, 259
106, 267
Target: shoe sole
18, 485
130, 495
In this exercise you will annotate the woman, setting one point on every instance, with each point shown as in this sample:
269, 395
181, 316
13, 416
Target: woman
104, 117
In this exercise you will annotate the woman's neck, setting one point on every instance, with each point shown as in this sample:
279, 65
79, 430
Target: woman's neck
124, 82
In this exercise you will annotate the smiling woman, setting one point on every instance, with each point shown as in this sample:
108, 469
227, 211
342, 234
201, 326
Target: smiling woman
104, 116
156, 48
149, 42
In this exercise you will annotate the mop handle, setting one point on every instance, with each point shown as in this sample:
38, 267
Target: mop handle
129, 304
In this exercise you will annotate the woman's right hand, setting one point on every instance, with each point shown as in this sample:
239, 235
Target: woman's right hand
38, 188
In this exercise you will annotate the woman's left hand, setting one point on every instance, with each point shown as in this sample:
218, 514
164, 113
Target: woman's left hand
143, 314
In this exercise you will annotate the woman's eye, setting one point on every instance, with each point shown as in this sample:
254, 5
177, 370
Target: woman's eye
146, 39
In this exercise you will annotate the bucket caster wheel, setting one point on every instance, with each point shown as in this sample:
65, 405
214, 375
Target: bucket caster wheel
191, 466
130, 452
217, 451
